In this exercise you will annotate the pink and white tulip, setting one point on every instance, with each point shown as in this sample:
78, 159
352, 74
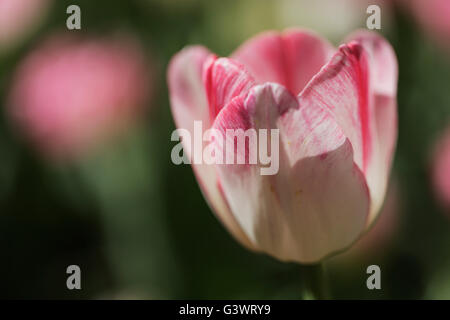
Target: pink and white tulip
71, 93
336, 114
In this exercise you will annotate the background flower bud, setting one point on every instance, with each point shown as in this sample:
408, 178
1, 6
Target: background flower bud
441, 169
71, 93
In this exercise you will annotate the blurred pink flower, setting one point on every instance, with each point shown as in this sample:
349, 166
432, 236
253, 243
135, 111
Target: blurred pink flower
336, 114
434, 17
441, 169
71, 93
17, 17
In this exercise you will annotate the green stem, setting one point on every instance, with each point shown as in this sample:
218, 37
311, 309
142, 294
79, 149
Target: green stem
315, 282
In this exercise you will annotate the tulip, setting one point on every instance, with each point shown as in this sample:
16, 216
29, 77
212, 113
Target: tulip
336, 114
441, 170
71, 94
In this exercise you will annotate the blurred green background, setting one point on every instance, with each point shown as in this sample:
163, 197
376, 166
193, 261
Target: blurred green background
138, 225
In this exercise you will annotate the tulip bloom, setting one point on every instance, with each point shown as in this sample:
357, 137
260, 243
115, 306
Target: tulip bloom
441, 169
71, 93
336, 114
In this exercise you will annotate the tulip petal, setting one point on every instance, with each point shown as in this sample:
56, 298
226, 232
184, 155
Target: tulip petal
383, 90
358, 87
285, 214
341, 88
290, 58
384, 147
187, 94
189, 103
224, 79
383, 61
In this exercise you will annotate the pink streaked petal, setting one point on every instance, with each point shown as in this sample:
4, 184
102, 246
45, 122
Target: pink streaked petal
189, 103
284, 214
290, 58
383, 91
384, 69
224, 79
358, 86
341, 87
